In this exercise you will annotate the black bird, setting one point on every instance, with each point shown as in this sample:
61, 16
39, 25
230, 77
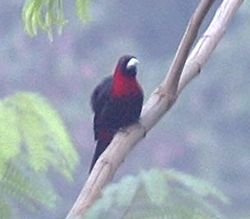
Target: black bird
116, 102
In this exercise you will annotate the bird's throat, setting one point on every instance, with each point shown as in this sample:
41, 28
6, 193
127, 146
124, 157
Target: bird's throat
123, 85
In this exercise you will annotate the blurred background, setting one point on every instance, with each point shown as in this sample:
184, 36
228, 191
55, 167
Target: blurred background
206, 133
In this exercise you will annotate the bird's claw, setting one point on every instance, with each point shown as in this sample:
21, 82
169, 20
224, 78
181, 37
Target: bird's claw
140, 126
124, 130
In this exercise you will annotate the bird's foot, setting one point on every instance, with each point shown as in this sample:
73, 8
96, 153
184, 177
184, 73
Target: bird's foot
139, 125
124, 130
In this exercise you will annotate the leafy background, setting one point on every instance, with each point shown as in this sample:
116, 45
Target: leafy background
206, 133
158, 194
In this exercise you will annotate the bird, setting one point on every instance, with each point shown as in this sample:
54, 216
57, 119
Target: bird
116, 102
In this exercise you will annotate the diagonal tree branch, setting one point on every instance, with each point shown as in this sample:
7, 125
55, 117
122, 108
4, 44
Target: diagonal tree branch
173, 76
160, 100
209, 40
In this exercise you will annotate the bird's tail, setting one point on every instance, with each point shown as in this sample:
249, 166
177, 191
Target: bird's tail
100, 147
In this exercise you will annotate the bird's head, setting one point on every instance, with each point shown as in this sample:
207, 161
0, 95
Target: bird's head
124, 81
127, 65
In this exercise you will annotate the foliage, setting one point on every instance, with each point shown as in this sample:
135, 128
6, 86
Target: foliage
18, 186
82, 9
158, 194
45, 14
33, 138
207, 132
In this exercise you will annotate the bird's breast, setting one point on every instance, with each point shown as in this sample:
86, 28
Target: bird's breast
123, 86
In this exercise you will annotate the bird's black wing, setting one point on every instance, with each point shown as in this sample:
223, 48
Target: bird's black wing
101, 94
99, 99
137, 103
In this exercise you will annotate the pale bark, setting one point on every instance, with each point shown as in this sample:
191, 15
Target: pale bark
160, 100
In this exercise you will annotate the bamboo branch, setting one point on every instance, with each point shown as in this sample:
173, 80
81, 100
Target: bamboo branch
160, 100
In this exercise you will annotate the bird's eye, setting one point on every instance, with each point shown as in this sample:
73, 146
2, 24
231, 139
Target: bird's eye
132, 63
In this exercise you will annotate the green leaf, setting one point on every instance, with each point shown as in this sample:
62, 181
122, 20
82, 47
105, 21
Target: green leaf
199, 186
44, 134
155, 186
27, 188
46, 14
10, 138
157, 194
5, 210
32, 139
82, 7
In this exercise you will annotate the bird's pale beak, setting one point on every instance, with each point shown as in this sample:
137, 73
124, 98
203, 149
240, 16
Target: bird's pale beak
133, 62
